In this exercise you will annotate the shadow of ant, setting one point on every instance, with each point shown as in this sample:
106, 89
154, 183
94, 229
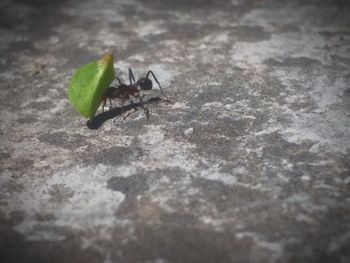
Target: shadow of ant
99, 119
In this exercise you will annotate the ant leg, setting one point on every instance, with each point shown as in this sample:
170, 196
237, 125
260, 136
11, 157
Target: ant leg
155, 78
145, 110
110, 103
121, 110
126, 114
131, 76
104, 104
120, 82
133, 105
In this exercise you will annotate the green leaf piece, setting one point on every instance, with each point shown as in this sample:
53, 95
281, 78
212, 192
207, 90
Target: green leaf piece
89, 85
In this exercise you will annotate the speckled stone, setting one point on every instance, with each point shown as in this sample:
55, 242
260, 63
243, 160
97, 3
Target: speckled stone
248, 162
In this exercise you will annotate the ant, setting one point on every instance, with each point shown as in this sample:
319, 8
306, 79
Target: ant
124, 91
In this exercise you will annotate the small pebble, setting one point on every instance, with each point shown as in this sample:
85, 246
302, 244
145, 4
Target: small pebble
188, 132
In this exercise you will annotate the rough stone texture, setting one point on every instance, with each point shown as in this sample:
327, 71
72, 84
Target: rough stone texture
248, 163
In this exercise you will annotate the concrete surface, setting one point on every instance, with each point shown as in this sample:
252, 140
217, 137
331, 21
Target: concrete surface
248, 163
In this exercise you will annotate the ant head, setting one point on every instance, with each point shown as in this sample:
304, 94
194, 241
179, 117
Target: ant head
145, 83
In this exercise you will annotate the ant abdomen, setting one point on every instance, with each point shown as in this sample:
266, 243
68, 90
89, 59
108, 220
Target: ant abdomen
122, 92
110, 93
145, 83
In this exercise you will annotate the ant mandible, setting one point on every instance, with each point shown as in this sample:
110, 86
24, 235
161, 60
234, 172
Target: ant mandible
124, 91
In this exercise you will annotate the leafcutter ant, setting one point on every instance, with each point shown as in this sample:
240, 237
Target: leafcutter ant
124, 91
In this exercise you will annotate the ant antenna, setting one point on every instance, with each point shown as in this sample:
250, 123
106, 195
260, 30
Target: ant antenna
147, 76
131, 76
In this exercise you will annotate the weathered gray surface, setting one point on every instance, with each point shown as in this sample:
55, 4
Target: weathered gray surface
249, 164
